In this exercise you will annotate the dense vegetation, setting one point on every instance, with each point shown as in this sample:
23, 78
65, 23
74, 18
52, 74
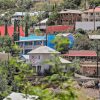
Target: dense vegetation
20, 77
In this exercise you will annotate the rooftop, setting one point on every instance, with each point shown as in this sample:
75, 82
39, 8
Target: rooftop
25, 13
64, 61
70, 11
97, 9
43, 50
95, 37
81, 53
43, 21
32, 37
20, 96
58, 28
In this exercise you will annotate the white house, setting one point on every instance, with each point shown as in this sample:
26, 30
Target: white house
40, 55
21, 15
20, 96
42, 24
87, 25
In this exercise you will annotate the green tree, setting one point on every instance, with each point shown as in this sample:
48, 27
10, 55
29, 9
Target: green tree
94, 2
15, 34
44, 94
55, 63
71, 4
82, 42
5, 89
21, 78
61, 44
6, 28
16, 75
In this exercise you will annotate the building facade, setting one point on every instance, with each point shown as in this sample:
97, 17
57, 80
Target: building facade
91, 15
30, 42
39, 56
88, 26
69, 17
87, 61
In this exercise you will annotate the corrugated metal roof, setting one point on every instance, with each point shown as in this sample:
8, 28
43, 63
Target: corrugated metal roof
58, 28
81, 53
32, 38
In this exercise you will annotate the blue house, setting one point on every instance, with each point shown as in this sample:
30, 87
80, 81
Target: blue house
32, 41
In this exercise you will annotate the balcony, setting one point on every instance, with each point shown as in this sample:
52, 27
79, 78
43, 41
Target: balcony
29, 46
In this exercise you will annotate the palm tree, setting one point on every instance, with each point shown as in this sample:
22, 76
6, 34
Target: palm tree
6, 28
27, 24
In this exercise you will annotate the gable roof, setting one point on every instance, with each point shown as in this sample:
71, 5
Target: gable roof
10, 30
70, 11
81, 53
64, 61
43, 50
97, 9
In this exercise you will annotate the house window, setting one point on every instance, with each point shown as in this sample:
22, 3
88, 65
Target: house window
91, 13
97, 13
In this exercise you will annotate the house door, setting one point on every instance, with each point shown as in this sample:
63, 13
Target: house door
39, 70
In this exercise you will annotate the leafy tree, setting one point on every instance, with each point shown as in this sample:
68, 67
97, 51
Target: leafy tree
81, 31
6, 28
94, 2
82, 42
44, 94
61, 44
16, 75
71, 4
21, 78
16, 33
5, 89
5, 43
6, 4
55, 64
27, 24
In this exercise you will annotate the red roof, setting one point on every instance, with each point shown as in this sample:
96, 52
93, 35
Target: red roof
97, 9
10, 30
81, 53
58, 28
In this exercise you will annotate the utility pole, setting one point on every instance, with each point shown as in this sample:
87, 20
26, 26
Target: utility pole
94, 16
46, 35
97, 58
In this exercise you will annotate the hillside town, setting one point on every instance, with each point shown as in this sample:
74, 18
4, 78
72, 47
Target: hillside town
49, 49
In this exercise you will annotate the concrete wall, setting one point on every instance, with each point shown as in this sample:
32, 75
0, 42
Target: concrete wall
87, 25
39, 60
